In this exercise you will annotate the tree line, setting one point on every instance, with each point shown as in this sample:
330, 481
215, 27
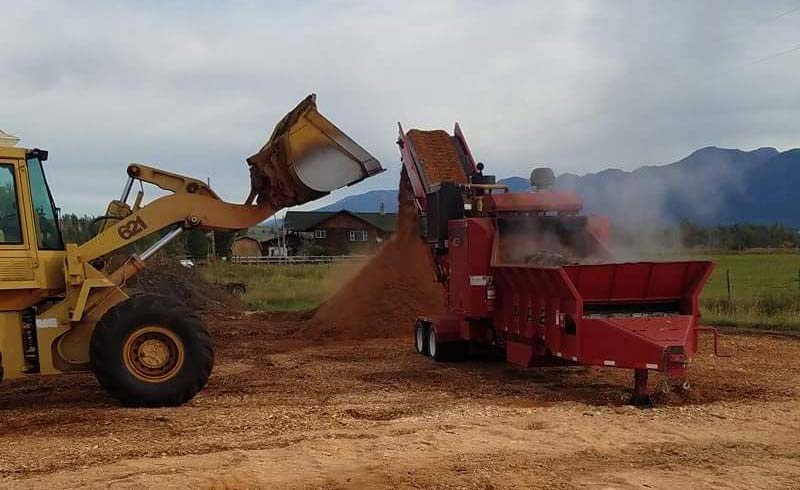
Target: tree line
739, 236
687, 235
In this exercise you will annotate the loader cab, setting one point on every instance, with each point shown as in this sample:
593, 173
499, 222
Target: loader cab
28, 216
31, 247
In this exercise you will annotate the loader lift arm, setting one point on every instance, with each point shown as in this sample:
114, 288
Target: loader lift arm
193, 204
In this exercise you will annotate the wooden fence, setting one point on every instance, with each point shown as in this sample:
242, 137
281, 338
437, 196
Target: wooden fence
297, 259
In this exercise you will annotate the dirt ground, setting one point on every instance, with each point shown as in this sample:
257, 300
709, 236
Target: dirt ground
282, 412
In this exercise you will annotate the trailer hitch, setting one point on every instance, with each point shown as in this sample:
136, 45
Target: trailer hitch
716, 340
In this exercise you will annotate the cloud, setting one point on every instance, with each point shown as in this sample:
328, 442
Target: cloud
195, 87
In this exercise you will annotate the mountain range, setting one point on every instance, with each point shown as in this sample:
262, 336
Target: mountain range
712, 186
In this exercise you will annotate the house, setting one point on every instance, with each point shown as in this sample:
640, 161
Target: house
341, 232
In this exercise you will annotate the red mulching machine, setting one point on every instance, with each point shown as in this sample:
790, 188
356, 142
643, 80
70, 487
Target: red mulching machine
527, 273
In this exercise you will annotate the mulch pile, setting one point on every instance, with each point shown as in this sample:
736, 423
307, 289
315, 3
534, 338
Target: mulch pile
388, 294
169, 278
399, 283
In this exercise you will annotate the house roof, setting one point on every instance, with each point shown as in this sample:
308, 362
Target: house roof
308, 220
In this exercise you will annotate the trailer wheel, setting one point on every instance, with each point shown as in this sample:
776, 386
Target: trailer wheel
150, 350
421, 338
433, 345
445, 351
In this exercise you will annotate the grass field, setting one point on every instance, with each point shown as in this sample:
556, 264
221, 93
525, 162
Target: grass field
765, 292
283, 287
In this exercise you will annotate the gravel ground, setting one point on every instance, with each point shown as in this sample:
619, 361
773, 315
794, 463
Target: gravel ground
284, 412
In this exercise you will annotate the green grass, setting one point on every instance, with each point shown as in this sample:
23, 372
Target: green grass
753, 274
282, 287
765, 292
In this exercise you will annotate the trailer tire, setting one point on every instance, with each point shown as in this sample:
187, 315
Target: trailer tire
150, 350
421, 338
433, 345
445, 351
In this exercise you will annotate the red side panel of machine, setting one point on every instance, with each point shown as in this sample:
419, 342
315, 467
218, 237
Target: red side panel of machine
459, 135
412, 168
641, 282
531, 303
470, 246
631, 315
657, 344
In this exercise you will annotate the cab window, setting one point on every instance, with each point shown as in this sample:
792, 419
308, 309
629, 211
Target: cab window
48, 234
10, 229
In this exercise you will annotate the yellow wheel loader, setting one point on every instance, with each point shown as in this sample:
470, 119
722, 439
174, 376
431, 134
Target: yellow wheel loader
61, 311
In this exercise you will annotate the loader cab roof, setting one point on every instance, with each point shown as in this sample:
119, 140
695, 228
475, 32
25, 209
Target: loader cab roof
12, 152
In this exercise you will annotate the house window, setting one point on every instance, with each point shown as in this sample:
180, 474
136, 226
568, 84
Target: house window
320, 234
358, 235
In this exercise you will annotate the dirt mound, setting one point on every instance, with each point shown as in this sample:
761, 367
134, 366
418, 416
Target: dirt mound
387, 295
169, 278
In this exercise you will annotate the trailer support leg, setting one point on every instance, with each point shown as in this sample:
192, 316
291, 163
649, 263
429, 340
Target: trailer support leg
641, 396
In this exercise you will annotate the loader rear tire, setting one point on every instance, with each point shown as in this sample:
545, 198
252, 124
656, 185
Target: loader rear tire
150, 350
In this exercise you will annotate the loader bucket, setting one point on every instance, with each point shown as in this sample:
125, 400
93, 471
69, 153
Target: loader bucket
306, 158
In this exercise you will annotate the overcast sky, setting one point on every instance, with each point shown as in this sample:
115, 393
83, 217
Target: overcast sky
196, 87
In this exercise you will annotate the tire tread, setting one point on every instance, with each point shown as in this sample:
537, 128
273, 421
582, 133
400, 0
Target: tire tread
118, 323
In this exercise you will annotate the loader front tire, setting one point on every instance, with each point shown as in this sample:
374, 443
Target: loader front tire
150, 350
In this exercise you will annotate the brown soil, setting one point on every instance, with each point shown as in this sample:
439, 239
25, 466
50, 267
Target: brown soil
169, 278
389, 292
282, 412
438, 156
